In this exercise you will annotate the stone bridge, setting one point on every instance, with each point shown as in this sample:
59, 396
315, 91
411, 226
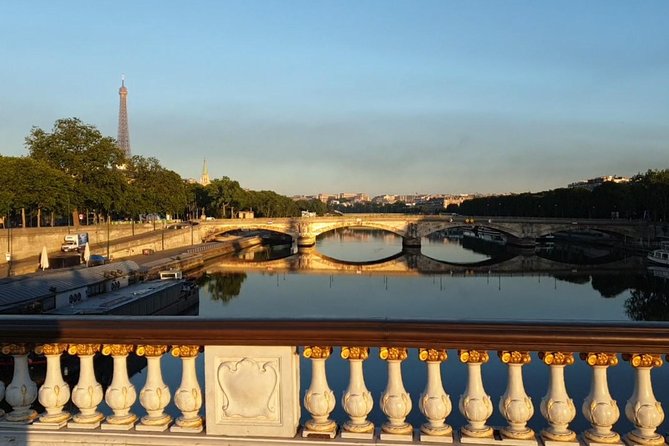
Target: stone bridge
519, 231
412, 262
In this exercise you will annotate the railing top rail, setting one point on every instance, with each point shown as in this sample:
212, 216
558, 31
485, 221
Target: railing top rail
530, 336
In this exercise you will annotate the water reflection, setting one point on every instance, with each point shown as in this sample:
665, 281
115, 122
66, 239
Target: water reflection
502, 284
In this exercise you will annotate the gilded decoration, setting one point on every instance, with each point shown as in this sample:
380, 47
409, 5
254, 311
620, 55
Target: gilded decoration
83, 349
185, 351
473, 356
15, 349
514, 357
50, 349
393, 353
557, 358
317, 351
600, 358
643, 359
117, 349
432, 355
151, 350
355, 353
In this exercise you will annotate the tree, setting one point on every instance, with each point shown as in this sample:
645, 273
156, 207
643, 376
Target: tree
94, 162
33, 185
153, 189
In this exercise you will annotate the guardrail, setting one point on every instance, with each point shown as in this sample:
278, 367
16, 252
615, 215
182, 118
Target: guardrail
252, 372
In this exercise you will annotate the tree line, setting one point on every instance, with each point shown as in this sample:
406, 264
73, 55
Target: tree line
646, 196
74, 171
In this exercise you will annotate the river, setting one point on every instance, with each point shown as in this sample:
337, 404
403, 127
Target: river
563, 283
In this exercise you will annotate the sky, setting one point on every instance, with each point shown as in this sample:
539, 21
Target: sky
387, 96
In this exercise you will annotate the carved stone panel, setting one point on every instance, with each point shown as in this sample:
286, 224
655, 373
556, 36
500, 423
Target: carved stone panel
252, 391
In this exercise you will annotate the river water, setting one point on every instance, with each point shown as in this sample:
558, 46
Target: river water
450, 279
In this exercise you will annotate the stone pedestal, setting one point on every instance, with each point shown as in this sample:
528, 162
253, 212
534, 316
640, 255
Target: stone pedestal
252, 391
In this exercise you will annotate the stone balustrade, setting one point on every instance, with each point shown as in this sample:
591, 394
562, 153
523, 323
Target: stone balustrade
251, 389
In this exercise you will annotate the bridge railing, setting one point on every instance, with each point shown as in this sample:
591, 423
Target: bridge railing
251, 381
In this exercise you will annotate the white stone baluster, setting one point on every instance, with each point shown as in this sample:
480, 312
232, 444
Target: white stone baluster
556, 406
475, 405
188, 397
598, 407
435, 403
121, 394
155, 395
515, 405
642, 409
319, 400
55, 392
2, 396
87, 393
22, 391
357, 400
395, 401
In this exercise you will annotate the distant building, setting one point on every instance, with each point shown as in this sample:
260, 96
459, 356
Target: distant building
204, 179
246, 214
596, 182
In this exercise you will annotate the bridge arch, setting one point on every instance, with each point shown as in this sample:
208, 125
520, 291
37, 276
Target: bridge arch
224, 229
319, 230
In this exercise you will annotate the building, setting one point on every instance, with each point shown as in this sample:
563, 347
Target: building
123, 138
204, 178
598, 181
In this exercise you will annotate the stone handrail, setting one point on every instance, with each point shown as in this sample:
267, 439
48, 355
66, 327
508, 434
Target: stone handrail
252, 376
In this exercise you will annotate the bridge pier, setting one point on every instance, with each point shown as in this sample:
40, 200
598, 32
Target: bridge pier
306, 241
411, 242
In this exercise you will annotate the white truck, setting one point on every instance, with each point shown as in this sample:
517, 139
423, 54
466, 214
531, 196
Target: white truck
74, 242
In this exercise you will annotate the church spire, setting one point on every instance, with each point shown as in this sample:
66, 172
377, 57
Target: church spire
204, 179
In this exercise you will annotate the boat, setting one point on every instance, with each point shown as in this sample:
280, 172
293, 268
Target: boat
661, 255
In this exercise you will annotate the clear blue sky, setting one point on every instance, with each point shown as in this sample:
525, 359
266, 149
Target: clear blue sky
369, 96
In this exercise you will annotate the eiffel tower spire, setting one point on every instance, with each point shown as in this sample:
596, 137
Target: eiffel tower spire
123, 134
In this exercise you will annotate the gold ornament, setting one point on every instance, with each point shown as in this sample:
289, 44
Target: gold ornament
514, 357
600, 358
50, 349
355, 353
15, 349
117, 349
151, 350
185, 351
557, 358
83, 349
431, 354
393, 353
317, 351
473, 356
643, 359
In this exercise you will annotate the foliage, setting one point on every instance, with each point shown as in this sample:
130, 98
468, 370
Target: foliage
32, 184
91, 160
225, 286
645, 197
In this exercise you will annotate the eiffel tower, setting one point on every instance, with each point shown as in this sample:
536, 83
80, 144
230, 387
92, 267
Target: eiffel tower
123, 135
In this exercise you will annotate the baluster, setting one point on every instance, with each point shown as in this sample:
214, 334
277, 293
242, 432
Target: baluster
55, 392
357, 400
155, 395
395, 401
598, 407
22, 391
188, 397
642, 409
2, 396
319, 400
556, 406
475, 405
515, 405
121, 394
87, 393
435, 403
